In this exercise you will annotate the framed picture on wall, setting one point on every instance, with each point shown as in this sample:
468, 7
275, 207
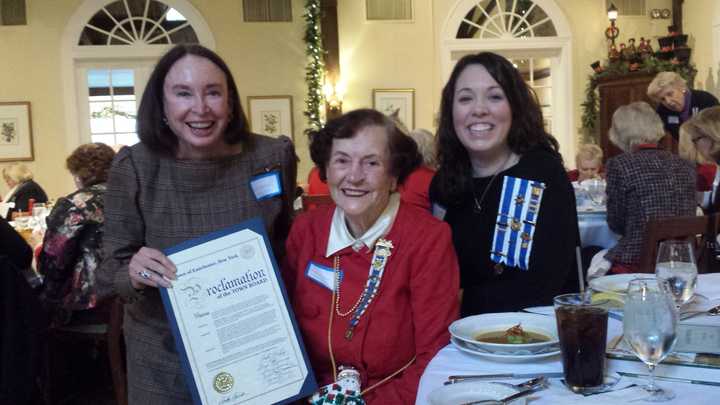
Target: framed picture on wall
16, 141
271, 115
400, 102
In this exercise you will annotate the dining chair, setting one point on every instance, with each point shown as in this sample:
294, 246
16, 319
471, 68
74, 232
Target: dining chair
699, 230
311, 201
103, 337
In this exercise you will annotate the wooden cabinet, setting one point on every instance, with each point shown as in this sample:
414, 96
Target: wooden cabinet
615, 92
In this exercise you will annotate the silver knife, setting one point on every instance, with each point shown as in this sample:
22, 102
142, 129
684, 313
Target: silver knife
674, 379
456, 378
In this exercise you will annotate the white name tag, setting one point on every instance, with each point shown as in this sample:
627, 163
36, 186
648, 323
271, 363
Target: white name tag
673, 119
266, 185
323, 275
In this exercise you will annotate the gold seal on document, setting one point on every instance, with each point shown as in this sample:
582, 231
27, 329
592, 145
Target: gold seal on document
223, 382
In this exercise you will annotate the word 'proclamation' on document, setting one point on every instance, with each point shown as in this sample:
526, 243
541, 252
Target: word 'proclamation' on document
232, 321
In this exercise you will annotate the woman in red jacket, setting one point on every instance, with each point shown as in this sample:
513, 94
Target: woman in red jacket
373, 280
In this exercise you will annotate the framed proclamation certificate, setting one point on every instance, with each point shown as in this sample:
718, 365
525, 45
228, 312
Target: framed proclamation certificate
231, 318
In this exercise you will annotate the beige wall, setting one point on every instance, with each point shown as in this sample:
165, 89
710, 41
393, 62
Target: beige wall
699, 16
269, 59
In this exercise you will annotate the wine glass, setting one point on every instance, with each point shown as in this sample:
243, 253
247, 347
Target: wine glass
676, 265
650, 327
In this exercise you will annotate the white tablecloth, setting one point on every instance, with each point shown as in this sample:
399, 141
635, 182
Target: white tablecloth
451, 361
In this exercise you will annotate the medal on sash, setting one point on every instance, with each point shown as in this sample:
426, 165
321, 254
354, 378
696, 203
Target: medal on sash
515, 224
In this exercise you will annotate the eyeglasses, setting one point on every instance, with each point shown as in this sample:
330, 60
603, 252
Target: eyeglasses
696, 140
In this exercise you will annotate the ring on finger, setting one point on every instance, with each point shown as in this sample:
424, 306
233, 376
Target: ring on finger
144, 274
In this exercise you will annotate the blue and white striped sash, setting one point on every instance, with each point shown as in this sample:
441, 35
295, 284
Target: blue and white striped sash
515, 223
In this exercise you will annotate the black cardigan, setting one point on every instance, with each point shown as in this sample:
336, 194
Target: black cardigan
552, 261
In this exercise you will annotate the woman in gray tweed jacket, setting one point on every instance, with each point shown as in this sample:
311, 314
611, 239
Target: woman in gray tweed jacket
643, 183
189, 175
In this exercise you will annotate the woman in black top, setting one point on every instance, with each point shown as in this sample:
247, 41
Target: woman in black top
502, 188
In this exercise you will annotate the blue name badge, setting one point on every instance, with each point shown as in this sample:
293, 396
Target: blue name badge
673, 119
322, 275
266, 185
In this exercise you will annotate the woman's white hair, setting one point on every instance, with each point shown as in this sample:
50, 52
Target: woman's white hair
635, 124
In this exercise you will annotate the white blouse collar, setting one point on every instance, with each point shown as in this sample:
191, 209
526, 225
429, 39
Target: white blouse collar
340, 236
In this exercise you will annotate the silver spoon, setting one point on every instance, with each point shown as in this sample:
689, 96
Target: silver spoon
711, 312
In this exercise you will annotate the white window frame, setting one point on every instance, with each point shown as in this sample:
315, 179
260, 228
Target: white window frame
75, 57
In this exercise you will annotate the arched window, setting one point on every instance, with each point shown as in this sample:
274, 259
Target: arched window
494, 19
535, 36
109, 49
127, 22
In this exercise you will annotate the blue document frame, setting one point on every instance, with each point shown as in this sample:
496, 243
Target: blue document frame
234, 329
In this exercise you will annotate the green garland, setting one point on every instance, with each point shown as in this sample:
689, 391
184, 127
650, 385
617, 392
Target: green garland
315, 67
651, 65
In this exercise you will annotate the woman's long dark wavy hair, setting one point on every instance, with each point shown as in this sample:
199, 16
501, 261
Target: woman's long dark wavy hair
526, 131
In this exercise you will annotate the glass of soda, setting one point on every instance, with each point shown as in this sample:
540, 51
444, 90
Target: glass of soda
582, 329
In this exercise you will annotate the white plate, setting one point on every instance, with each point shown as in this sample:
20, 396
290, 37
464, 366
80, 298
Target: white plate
466, 329
505, 358
469, 391
616, 283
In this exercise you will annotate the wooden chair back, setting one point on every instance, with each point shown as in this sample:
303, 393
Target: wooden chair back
696, 229
310, 201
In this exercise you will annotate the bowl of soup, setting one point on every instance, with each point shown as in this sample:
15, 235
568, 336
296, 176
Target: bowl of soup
507, 333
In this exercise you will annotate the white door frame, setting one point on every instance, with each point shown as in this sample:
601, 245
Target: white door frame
73, 55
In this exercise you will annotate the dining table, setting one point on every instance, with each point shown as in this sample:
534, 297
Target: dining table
691, 383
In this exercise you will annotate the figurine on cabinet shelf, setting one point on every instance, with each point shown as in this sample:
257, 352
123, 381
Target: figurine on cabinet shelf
613, 54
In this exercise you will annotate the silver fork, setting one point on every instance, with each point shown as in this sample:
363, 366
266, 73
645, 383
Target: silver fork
503, 401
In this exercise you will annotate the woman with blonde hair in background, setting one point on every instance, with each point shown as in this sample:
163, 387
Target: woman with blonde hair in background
588, 161
22, 189
700, 144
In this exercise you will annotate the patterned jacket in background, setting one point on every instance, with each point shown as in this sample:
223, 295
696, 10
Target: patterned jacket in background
72, 249
642, 185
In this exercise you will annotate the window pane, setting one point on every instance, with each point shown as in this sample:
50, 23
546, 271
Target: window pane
106, 139
101, 120
125, 114
127, 139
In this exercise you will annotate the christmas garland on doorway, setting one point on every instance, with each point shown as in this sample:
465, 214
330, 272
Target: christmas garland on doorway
314, 71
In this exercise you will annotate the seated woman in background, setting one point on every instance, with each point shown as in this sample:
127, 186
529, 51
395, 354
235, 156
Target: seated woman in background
676, 102
502, 187
71, 249
588, 161
22, 189
416, 188
643, 183
700, 143
373, 280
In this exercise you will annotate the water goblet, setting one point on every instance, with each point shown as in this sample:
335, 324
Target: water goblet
596, 191
650, 327
676, 265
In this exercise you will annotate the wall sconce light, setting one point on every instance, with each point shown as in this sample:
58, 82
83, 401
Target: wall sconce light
334, 93
612, 31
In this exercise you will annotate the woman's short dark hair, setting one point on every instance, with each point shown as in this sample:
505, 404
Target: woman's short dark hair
90, 163
152, 126
404, 155
526, 131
